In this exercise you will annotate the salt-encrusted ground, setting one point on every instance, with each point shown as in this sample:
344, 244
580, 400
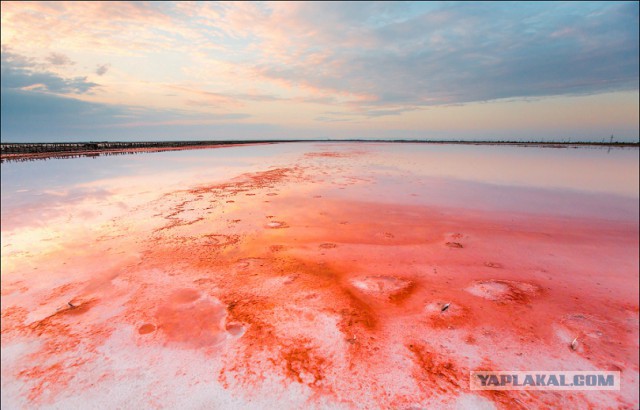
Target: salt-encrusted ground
316, 280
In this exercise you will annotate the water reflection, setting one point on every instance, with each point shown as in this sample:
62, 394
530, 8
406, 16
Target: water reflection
68, 156
317, 267
414, 173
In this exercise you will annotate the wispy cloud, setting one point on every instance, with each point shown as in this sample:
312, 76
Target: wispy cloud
362, 113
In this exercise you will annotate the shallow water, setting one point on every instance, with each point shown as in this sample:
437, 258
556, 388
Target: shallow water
314, 274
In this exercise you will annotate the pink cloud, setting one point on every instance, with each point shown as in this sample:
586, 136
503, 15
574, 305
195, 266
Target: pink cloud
113, 27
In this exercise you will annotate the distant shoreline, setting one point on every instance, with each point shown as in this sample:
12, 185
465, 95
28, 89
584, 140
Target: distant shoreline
38, 151
21, 151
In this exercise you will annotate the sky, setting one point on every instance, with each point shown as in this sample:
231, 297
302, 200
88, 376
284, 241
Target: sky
94, 71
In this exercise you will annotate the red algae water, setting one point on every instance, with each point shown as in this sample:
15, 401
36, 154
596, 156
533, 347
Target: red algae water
318, 276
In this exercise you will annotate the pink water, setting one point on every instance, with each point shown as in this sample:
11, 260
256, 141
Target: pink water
314, 275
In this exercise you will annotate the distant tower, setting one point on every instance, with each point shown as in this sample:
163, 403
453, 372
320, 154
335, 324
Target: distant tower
611, 139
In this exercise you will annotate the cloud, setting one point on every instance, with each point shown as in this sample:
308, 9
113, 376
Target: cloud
59, 59
36, 116
368, 54
324, 118
359, 114
461, 52
40, 105
335, 62
121, 28
28, 114
102, 69
19, 72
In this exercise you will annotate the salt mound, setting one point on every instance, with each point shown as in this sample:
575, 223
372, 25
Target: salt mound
504, 290
386, 287
489, 290
276, 225
193, 319
472, 401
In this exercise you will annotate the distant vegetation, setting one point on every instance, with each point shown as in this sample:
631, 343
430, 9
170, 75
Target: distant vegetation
18, 149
